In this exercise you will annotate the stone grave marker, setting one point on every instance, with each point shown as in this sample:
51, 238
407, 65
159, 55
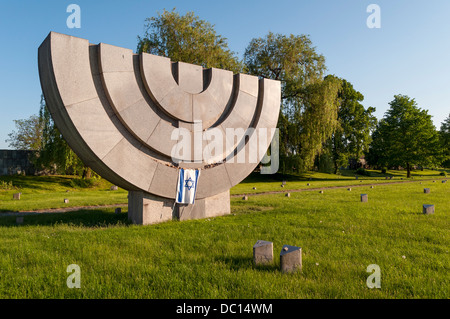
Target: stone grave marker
290, 259
428, 209
262, 252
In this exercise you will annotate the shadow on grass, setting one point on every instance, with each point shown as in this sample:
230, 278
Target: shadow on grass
240, 263
344, 175
80, 218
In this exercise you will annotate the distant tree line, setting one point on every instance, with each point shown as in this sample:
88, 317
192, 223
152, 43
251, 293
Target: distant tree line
323, 123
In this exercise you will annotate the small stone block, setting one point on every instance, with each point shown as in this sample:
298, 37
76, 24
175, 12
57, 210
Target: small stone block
288, 194
254, 188
428, 209
426, 190
349, 189
444, 181
282, 185
16, 196
245, 198
118, 210
19, 220
356, 177
66, 201
290, 259
263, 252
114, 188
308, 184
364, 198
371, 186
321, 192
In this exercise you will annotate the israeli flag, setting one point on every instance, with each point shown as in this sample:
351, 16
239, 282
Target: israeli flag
187, 185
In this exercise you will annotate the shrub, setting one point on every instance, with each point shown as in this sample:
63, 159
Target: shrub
443, 174
384, 170
6, 185
362, 171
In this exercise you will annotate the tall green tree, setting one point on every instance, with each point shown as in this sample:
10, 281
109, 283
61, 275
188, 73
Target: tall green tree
353, 134
189, 39
444, 135
405, 137
309, 106
28, 134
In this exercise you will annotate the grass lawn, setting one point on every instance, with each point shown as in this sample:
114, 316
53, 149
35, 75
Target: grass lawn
212, 258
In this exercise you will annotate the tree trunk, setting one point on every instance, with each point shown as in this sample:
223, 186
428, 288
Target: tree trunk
408, 170
87, 172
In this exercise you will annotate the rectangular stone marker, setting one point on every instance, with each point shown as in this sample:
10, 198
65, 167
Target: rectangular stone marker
263, 252
426, 190
118, 210
288, 194
364, 198
428, 209
283, 183
290, 259
66, 201
19, 220
350, 189
114, 188
16, 196
245, 198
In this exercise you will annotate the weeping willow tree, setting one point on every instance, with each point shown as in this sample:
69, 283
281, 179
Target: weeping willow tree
309, 106
55, 155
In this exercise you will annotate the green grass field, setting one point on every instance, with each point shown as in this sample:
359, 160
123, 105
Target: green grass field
212, 258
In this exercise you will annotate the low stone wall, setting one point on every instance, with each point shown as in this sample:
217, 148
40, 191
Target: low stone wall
16, 162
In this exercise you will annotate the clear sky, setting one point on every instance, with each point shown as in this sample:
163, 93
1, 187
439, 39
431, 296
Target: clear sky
409, 54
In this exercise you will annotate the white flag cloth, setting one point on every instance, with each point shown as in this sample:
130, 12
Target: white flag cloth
187, 185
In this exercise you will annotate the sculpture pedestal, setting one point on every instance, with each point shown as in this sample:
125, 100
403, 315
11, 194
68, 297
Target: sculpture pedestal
147, 209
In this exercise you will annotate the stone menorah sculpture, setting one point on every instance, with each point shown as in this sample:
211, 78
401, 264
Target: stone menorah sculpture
137, 119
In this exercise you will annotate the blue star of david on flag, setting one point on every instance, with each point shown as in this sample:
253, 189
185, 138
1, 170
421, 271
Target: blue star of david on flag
187, 186
189, 183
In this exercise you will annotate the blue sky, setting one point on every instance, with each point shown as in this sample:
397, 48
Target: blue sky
409, 54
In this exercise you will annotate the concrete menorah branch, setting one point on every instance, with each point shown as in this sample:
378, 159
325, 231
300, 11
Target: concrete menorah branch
118, 110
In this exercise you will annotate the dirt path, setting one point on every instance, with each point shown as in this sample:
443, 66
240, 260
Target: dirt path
72, 209
330, 187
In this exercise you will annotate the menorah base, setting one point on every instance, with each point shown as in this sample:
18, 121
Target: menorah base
147, 209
